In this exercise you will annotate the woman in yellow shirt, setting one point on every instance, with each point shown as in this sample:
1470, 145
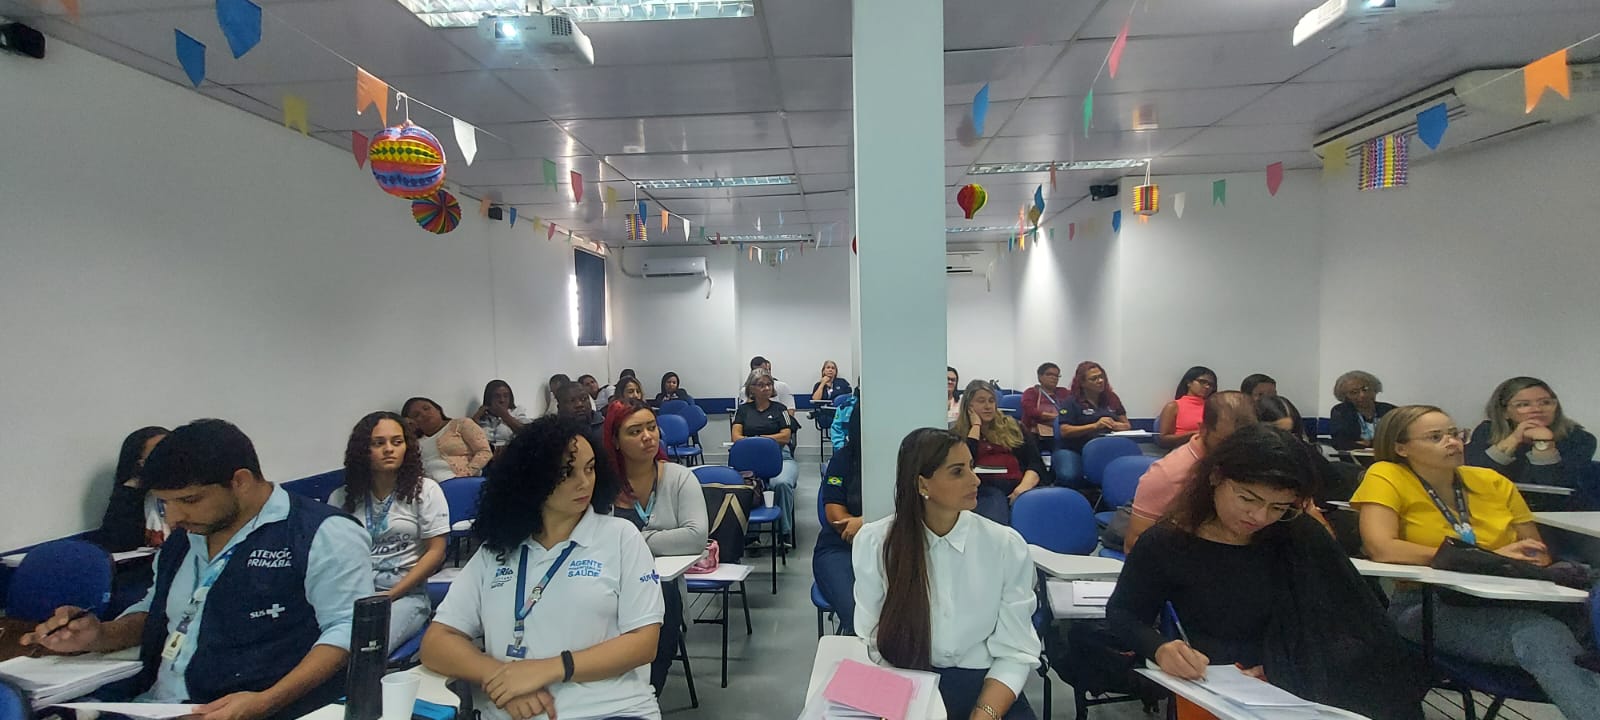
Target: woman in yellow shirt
1418, 494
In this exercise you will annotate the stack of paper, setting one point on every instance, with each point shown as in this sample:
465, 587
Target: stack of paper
858, 690
137, 711
1092, 593
50, 680
1231, 683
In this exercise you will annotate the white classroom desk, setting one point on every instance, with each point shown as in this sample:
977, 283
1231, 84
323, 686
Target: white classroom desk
1583, 523
1059, 593
833, 648
431, 689
1074, 567
1485, 586
1225, 709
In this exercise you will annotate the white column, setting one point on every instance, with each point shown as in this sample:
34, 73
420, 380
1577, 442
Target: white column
898, 51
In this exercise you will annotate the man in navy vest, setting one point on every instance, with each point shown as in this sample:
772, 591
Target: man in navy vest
250, 613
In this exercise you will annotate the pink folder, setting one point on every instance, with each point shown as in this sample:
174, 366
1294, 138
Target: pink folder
870, 689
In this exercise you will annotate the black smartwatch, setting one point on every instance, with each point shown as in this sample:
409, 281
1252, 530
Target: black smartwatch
566, 666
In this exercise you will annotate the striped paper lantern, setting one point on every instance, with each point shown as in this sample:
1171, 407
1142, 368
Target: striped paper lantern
636, 229
1384, 162
407, 161
438, 213
1146, 200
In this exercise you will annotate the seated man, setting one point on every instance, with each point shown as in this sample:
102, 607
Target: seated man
250, 613
1225, 412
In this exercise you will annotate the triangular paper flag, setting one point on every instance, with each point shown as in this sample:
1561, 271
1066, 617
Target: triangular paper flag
550, 232
608, 197
666, 221
294, 114
358, 148
702, 232
513, 217
577, 186
538, 223
372, 91
1052, 176
1072, 231
466, 139
241, 24
686, 229
1549, 71
1335, 157
1038, 198
1219, 192
192, 56
1114, 60
1178, 200
1274, 178
1052, 235
780, 218
1116, 221
483, 207
642, 213
71, 6
980, 108
1431, 124
758, 223
549, 173
1088, 111
569, 234
719, 239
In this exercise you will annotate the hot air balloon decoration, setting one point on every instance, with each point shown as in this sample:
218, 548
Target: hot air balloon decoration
971, 199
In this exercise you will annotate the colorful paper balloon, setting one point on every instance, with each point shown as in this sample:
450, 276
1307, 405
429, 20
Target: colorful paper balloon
438, 213
971, 199
407, 161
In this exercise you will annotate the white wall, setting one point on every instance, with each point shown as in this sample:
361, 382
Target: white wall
797, 315
669, 324
167, 257
978, 306
1484, 267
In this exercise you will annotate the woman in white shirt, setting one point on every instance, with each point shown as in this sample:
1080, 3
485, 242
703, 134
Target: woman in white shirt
404, 513
559, 611
663, 499
940, 588
499, 415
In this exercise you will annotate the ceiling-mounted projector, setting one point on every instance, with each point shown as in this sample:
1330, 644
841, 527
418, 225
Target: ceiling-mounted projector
1346, 21
552, 41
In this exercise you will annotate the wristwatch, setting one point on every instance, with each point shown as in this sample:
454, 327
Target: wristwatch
1542, 445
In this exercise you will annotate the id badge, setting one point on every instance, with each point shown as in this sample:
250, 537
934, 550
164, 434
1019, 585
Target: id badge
517, 651
173, 647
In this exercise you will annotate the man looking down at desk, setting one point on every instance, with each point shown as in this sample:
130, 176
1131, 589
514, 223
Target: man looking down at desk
250, 613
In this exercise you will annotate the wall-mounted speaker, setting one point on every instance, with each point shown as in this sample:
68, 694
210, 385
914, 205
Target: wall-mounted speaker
22, 40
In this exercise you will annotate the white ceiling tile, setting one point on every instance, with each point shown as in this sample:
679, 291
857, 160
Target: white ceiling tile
1192, 17
827, 182
1114, 111
970, 25
629, 43
807, 27
824, 159
1243, 139
810, 129
689, 133
815, 83
1321, 105
958, 120
642, 90
523, 171
1010, 73
1183, 63
539, 138
703, 165
1428, 50
1074, 146
842, 200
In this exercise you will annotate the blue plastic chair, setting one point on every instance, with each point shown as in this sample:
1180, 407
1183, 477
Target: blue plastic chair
1011, 404
1120, 483
406, 654
14, 703
762, 458
1056, 519
1099, 452
1499, 682
675, 438
317, 487
697, 421
824, 610
56, 574
674, 407
461, 494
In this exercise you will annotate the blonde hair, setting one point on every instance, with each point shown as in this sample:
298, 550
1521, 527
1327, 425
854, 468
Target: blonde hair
1500, 426
1391, 431
1004, 431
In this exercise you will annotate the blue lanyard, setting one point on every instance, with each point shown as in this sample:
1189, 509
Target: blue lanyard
521, 608
204, 577
378, 523
647, 509
1462, 524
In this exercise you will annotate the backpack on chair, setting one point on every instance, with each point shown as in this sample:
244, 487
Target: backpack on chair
729, 507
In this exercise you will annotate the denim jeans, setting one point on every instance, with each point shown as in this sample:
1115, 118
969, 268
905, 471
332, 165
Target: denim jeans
836, 580
960, 688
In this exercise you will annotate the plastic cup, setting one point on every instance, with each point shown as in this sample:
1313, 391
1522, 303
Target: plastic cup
770, 498
400, 695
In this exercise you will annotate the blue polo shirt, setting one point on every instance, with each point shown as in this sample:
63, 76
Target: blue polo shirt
841, 485
1077, 413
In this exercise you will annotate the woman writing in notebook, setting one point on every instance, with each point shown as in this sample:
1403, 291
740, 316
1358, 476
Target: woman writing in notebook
939, 588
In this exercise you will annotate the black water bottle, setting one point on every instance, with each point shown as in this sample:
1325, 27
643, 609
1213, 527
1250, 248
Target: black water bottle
369, 656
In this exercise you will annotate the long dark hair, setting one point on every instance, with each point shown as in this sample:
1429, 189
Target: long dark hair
1273, 408
1108, 397
521, 479
1193, 374
905, 635
132, 445
624, 383
406, 408
488, 391
674, 376
1254, 454
358, 462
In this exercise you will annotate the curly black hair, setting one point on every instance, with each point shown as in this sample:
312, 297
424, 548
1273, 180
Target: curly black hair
521, 479
358, 461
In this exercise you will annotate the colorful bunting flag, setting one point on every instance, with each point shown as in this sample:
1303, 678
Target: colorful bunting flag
295, 114
1550, 72
550, 232
1335, 156
980, 109
358, 148
241, 25
192, 56
1178, 201
1431, 124
1115, 58
1088, 111
1219, 192
1274, 178
758, 223
1384, 162
642, 212
666, 219
466, 139
71, 6
636, 229
1052, 177
513, 217
1116, 221
549, 173
483, 206
686, 229
577, 186
538, 223
372, 91
608, 197
1072, 231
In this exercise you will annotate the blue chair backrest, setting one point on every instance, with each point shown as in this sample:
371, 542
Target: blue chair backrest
1057, 519
57, 573
1099, 453
696, 417
317, 487
674, 407
461, 494
1011, 402
674, 429
1122, 478
717, 475
14, 703
758, 456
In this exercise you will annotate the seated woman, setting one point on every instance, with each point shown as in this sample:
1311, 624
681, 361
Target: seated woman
1354, 420
404, 513
1528, 439
1259, 385
1181, 418
563, 597
1415, 496
830, 384
499, 415
1255, 582
841, 506
940, 589
952, 395
1008, 461
1092, 410
762, 417
1277, 411
133, 517
450, 448
672, 389
664, 501
628, 388
1043, 405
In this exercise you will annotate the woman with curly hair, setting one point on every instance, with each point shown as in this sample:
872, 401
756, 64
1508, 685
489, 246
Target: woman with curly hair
565, 597
404, 513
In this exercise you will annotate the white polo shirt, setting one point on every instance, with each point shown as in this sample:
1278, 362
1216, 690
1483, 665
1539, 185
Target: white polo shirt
607, 587
398, 538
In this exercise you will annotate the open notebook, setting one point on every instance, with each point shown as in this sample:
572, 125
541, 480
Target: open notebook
1248, 697
50, 680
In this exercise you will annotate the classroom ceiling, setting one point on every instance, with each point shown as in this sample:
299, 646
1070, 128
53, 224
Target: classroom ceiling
771, 95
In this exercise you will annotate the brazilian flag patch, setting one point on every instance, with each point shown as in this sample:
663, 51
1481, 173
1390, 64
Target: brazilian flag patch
835, 480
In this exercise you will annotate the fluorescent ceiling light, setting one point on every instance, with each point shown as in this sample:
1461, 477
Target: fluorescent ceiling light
980, 228
461, 13
998, 168
787, 237
705, 183
588, 11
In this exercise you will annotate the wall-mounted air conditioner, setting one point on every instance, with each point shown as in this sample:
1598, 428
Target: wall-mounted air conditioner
959, 262
675, 267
